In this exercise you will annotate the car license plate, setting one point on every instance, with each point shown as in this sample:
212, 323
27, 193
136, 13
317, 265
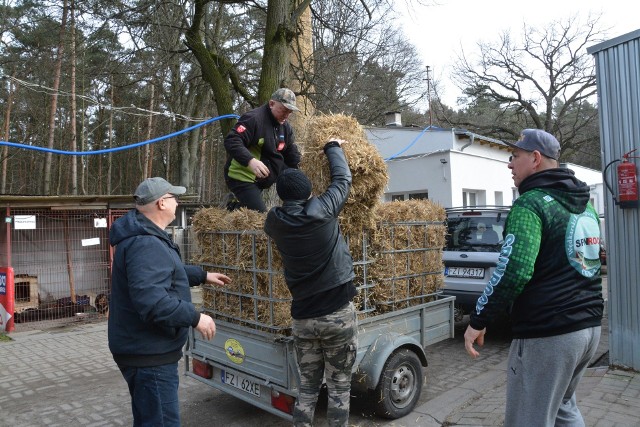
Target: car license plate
241, 383
465, 272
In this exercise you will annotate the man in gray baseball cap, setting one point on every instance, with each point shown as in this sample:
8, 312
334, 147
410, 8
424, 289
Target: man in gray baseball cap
151, 189
150, 308
538, 140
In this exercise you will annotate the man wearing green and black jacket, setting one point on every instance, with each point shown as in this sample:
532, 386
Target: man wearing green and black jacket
549, 273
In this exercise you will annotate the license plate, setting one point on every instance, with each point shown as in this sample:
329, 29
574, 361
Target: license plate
465, 272
241, 383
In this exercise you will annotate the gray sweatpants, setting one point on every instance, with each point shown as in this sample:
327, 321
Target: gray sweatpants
325, 348
542, 377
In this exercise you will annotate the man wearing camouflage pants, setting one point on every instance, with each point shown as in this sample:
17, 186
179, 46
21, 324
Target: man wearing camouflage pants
318, 269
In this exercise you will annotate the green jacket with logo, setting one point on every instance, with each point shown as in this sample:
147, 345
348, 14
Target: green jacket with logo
549, 265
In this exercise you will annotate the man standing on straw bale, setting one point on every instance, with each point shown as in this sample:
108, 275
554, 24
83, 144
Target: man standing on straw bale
549, 269
150, 309
259, 147
318, 270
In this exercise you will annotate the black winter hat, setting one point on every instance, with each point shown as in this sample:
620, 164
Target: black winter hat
293, 184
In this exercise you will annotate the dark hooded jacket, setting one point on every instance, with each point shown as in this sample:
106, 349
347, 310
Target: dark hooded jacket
549, 265
150, 307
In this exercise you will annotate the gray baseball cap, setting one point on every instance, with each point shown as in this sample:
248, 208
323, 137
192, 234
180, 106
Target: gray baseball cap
151, 189
538, 140
287, 97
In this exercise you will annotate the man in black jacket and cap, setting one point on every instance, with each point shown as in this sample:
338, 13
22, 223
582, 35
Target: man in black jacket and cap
259, 147
318, 270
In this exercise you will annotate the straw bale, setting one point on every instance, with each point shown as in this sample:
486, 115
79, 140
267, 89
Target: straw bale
233, 243
222, 303
411, 210
247, 309
244, 219
209, 219
407, 247
205, 221
397, 263
368, 168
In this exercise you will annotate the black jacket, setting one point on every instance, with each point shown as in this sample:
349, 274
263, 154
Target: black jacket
315, 255
150, 309
259, 135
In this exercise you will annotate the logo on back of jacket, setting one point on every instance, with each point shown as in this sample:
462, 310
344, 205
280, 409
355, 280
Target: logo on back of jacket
582, 243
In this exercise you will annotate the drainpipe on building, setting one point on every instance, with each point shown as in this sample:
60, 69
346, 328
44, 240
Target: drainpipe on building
470, 135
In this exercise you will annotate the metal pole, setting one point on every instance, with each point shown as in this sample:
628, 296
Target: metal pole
429, 94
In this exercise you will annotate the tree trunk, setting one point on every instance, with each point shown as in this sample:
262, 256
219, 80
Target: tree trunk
189, 150
110, 140
276, 58
54, 103
68, 251
147, 164
302, 64
201, 165
5, 149
214, 68
85, 161
74, 136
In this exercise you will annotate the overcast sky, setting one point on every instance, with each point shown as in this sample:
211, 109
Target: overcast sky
440, 31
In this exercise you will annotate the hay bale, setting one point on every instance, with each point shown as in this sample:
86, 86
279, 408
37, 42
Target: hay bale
398, 260
233, 243
205, 223
209, 219
368, 168
407, 246
229, 239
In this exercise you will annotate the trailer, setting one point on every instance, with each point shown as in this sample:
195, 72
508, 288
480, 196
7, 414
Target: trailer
254, 360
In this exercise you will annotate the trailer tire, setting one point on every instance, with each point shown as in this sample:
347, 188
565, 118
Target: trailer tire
400, 385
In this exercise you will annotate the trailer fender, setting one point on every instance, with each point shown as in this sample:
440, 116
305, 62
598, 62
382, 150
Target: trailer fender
370, 368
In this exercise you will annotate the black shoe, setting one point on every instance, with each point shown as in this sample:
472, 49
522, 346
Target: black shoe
232, 203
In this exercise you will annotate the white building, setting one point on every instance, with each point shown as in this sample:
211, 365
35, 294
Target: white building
453, 167
593, 179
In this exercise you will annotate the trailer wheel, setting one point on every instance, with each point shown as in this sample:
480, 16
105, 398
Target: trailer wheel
400, 385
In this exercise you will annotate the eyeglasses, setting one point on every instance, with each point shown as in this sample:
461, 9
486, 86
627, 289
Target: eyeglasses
173, 196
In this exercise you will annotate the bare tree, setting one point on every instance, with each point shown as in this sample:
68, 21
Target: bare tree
537, 82
364, 67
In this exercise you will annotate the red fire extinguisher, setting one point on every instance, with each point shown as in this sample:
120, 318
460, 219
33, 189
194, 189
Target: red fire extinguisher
627, 183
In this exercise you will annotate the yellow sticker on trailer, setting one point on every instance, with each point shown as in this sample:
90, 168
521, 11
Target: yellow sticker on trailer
234, 350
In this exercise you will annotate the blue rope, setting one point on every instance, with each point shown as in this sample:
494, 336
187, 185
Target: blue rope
408, 146
115, 149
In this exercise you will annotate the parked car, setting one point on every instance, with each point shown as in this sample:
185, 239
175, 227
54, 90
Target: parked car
474, 239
